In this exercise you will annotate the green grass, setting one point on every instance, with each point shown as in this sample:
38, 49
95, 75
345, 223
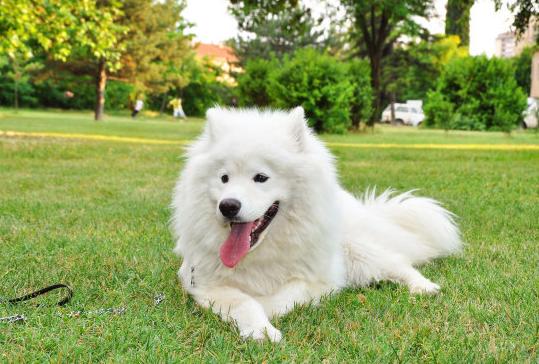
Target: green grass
95, 215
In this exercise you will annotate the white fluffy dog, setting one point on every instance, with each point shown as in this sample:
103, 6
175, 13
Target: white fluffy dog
262, 223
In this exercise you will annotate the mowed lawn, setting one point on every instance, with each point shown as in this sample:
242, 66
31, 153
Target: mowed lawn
95, 213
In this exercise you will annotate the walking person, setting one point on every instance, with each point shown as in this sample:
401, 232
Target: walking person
139, 104
177, 110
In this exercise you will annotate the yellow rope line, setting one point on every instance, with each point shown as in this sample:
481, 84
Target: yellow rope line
93, 137
439, 146
507, 147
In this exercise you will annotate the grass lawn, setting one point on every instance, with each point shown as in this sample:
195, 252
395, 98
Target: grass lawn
95, 214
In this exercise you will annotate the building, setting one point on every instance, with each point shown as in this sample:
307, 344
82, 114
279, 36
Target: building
220, 56
509, 45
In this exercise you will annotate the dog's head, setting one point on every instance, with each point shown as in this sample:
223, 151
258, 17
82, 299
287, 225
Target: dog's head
247, 163
254, 154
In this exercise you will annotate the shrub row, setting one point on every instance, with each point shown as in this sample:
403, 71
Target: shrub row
476, 93
336, 95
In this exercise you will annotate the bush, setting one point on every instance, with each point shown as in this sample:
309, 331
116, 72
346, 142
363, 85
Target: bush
254, 82
117, 95
51, 92
320, 84
476, 93
361, 103
204, 90
438, 111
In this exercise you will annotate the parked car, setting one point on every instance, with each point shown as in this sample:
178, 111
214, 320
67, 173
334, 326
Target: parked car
410, 113
530, 114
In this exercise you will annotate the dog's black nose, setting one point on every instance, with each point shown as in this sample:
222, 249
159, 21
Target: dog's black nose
229, 207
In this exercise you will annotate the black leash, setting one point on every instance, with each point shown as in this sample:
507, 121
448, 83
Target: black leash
29, 296
42, 291
158, 299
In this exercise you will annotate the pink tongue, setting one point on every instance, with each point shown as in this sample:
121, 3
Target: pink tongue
237, 244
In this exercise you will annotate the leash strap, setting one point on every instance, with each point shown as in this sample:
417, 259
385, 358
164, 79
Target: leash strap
43, 291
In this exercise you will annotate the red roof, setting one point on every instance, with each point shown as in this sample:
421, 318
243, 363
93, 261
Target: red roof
216, 51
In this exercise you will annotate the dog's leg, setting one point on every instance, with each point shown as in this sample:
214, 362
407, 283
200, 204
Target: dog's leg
402, 272
295, 292
234, 305
370, 263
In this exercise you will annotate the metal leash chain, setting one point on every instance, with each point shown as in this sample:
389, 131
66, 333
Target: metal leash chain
158, 299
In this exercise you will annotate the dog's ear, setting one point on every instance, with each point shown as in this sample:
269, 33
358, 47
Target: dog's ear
214, 123
299, 126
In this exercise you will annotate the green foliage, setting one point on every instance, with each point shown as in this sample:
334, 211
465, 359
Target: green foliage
16, 88
412, 70
320, 84
524, 12
204, 89
118, 95
483, 92
457, 19
254, 82
155, 45
274, 29
376, 26
438, 111
361, 102
523, 68
336, 95
61, 28
51, 92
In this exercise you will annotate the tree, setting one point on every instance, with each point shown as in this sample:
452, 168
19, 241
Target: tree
412, 69
525, 11
457, 19
18, 71
376, 26
155, 45
63, 28
523, 68
274, 28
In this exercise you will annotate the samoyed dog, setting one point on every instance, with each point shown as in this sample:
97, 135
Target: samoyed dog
263, 224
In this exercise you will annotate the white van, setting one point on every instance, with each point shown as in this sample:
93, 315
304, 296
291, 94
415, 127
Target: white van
410, 113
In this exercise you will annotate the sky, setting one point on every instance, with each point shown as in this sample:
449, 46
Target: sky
213, 23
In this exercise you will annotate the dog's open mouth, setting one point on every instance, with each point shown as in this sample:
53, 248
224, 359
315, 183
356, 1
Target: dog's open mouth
244, 236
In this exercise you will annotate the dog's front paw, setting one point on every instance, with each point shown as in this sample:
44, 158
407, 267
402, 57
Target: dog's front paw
424, 287
261, 333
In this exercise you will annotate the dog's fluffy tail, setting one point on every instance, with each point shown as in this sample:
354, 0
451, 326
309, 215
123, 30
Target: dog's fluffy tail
423, 217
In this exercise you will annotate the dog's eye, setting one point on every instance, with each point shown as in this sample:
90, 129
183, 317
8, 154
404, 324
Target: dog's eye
260, 178
224, 178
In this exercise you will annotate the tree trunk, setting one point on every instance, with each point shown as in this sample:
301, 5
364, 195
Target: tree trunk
101, 83
457, 20
376, 87
163, 104
16, 95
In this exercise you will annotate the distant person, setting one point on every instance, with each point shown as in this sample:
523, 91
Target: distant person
138, 106
177, 110
234, 102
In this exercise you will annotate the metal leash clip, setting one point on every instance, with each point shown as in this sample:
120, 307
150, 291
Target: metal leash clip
98, 312
160, 297
13, 319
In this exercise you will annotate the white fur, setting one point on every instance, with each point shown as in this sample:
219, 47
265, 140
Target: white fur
321, 240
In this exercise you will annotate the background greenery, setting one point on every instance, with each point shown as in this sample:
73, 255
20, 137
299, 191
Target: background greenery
476, 93
110, 53
95, 215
